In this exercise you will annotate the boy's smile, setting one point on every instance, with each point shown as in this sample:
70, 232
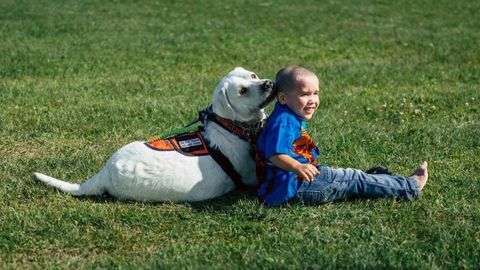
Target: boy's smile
303, 100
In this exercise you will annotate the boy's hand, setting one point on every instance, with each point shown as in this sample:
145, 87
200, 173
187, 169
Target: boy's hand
306, 172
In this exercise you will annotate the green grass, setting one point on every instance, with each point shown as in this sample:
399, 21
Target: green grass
79, 79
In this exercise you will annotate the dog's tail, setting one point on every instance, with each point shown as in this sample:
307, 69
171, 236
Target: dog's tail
89, 188
62, 185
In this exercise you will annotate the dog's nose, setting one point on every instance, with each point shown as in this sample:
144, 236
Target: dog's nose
267, 85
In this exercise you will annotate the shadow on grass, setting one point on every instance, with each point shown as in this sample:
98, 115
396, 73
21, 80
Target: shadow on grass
220, 204
226, 202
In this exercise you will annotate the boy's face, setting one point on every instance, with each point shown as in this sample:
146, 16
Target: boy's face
303, 100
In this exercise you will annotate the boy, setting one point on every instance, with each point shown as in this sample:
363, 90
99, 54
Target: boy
289, 153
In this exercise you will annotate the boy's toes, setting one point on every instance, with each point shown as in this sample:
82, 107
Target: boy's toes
422, 170
424, 165
421, 174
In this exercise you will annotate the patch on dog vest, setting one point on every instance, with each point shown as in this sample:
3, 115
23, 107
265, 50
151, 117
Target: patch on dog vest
189, 144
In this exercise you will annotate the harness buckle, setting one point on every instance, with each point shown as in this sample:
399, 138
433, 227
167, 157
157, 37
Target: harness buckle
247, 133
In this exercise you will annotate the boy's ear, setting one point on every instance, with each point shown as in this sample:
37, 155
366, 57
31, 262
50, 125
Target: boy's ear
282, 98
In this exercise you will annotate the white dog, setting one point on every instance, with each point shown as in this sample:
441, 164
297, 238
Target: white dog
138, 172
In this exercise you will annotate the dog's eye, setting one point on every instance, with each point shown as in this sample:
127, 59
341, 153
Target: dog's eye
254, 76
243, 91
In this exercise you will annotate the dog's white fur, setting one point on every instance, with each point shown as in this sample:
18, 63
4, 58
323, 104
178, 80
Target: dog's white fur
136, 172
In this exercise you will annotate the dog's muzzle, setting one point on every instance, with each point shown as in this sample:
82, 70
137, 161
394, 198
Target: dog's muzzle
268, 85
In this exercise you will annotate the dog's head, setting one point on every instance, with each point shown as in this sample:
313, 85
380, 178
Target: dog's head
242, 96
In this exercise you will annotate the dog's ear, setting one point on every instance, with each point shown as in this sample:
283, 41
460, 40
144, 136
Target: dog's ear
221, 103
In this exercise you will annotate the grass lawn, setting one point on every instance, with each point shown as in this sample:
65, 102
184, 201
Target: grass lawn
399, 84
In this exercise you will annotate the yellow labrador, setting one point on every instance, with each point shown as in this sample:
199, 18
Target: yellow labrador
137, 172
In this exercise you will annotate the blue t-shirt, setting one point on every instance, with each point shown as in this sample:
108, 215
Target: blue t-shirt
283, 128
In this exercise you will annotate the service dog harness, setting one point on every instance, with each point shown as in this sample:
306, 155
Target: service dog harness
190, 141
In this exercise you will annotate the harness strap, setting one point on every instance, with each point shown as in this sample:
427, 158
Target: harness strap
168, 141
244, 133
228, 125
227, 167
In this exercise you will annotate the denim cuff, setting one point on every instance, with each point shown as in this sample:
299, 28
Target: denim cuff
414, 186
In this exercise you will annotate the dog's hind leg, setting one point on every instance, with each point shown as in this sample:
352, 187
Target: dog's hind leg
94, 186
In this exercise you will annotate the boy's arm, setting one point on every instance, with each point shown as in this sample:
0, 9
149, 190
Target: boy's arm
306, 172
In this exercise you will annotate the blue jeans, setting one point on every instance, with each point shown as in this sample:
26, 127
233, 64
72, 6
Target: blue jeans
339, 184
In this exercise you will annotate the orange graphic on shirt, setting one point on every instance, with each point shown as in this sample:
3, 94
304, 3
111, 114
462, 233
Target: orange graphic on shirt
304, 146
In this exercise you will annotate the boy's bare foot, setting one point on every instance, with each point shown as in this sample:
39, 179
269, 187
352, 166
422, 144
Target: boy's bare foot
421, 174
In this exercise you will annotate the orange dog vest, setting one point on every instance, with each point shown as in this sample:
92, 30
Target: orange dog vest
189, 144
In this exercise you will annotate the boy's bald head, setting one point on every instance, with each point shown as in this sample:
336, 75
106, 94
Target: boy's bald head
288, 78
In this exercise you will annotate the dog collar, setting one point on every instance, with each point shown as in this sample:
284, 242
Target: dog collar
243, 131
